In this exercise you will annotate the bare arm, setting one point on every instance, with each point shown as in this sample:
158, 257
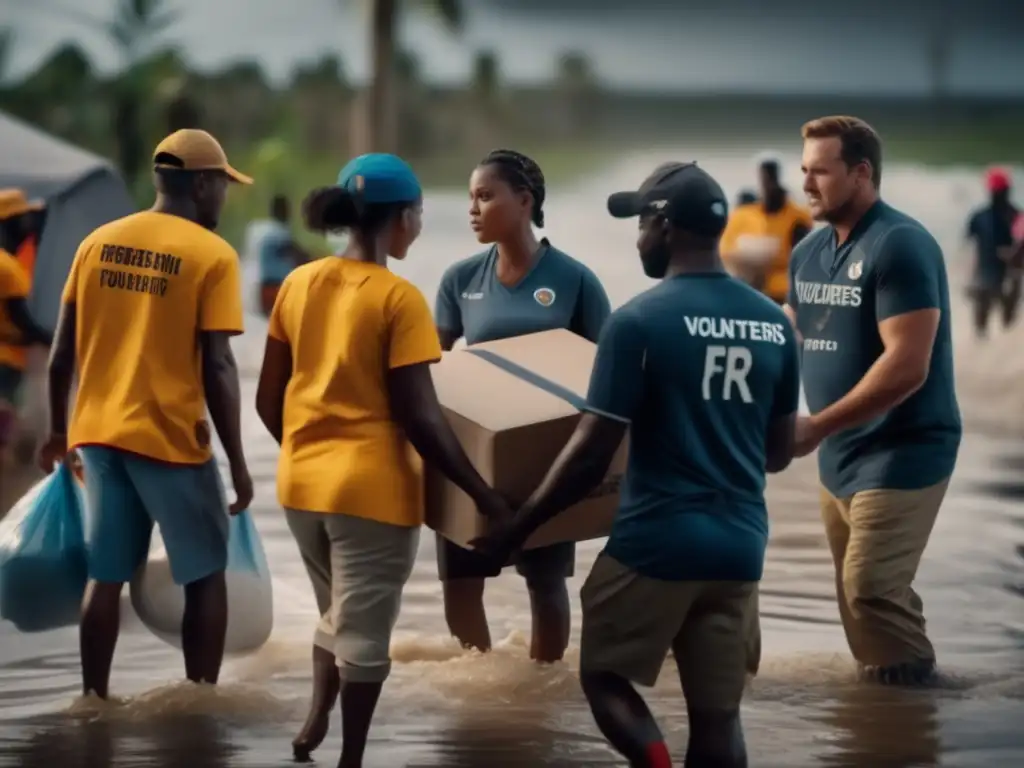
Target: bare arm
415, 407
448, 339
274, 377
614, 395
898, 373
61, 369
781, 443
579, 468
780, 437
220, 385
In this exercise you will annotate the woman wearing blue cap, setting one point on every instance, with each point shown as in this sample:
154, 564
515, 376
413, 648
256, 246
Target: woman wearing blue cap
346, 391
519, 285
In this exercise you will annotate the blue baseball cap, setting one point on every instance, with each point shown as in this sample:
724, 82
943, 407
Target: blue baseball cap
380, 178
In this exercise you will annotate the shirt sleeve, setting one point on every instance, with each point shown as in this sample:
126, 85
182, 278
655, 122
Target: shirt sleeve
909, 274
14, 282
447, 313
787, 396
413, 336
276, 322
791, 294
617, 380
593, 307
220, 304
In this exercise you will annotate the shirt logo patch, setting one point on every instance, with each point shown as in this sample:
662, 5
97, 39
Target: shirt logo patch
856, 270
472, 296
544, 296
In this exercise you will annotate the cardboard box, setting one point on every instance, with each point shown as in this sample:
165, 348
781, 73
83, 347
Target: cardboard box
512, 429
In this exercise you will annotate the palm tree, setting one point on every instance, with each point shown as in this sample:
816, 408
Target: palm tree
380, 112
135, 29
137, 25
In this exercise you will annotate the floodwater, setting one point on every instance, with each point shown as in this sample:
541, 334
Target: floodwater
447, 707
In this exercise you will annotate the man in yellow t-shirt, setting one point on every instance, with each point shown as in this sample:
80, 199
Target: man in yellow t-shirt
18, 330
148, 309
761, 235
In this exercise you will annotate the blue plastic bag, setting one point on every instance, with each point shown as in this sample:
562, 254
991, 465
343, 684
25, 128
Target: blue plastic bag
43, 557
245, 548
160, 603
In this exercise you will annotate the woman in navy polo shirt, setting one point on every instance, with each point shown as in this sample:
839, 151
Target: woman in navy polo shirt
519, 285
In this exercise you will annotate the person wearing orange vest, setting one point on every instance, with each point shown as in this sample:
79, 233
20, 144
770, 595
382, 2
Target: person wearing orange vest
18, 329
19, 227
761, 235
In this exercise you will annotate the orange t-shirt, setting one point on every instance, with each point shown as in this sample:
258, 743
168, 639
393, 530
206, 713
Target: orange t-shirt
775, 229
347, 323
144, 287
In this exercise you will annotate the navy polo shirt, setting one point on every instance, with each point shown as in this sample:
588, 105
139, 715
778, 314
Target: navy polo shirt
699, 366
558, 292
889, 265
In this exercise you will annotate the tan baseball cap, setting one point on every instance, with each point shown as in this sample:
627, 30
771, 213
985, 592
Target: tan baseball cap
197, 151
13, 202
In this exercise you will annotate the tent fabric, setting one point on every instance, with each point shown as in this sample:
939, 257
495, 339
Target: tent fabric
82, 191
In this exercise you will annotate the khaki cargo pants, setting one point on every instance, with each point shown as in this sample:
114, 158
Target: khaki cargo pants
877, 538
358, 568
631, 622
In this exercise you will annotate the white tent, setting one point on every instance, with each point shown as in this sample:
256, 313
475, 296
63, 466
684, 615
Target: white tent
82, 192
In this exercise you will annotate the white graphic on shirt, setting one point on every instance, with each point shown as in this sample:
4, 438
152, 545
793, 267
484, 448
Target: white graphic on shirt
828, 294
732, 328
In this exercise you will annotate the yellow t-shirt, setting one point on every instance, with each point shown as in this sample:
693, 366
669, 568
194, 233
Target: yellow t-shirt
14, 284
144, 287
347, 323
774, 230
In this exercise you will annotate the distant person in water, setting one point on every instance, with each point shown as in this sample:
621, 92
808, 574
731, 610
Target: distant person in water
148, 311
278, 252
706, 421
18, 329
761, 235
870, 298
519, 285
996, 282
346, 391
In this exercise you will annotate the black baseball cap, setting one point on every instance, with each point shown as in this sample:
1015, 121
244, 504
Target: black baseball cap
687, 196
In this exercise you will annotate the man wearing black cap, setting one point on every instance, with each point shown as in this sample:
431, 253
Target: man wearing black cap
704, 370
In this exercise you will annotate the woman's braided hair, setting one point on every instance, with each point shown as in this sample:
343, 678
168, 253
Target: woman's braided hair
521, 173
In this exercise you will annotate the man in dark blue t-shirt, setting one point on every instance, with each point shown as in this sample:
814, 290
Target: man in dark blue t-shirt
870, 300
704, 371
